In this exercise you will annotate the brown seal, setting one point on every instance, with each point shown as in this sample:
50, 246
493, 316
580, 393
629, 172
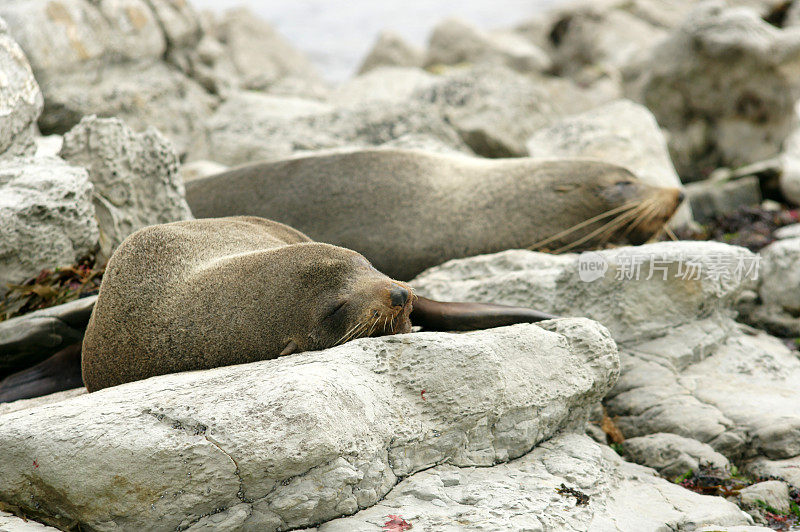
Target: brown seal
206, 293
409, 210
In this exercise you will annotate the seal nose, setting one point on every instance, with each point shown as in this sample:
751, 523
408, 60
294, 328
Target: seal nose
399, 295
681, 196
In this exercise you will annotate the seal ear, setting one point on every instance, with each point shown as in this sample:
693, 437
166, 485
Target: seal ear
449, 316
290, 348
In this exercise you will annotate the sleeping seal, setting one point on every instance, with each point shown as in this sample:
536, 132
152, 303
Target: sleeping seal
409, 210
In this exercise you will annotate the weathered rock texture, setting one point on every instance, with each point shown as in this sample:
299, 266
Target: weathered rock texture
46, 217
779, 289
296, 441
391, 50
724, 84
687, 367
522, 495
20, 99
135, 177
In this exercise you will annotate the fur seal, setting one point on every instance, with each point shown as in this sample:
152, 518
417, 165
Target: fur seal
206, 293
409, 210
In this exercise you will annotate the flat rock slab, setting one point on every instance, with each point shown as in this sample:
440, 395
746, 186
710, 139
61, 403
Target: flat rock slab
303, 439
522, 495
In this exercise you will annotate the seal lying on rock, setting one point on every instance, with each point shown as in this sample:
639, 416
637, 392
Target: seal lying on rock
409, 210
206, 293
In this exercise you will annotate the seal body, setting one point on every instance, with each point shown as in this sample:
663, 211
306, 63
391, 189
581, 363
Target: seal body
207, 293
409, 210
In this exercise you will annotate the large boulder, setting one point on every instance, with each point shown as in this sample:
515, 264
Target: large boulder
529, 494
687, 367
779, 289
46, 217
302, 439
724, 85
20, 99
620, 132
250, 127
135, 177
391, 50
455, 41
494, 109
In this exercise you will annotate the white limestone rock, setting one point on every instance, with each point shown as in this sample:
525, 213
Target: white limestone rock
391, 50
306, 438
672, 455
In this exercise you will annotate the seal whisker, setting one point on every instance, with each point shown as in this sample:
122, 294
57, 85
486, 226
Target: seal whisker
627, 206
612, 225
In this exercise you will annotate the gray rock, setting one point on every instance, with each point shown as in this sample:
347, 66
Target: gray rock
259, 54
302, 439
387, 84
774, 493
494, 109
687, 367
672, 455
789, 180
197, 169
621, 132
522, 495
711, 198
12, 523
142, 95
22, 404
48, 146
391, 50
788, 469
454, 41
46, 217
20, 99
135, 177
787, 231
27, 340
779, 288
724, 85
240, 133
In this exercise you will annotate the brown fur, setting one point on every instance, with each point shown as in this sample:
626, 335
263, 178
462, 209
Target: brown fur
409, 210
208, 293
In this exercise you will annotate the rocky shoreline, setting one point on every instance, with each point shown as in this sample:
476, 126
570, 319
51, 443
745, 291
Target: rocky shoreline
675, 369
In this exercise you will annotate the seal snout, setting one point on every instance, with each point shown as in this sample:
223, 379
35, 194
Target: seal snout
398, 295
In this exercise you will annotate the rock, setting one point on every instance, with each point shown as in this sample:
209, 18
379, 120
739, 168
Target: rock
789, 180
621, 132
391, 50
599, 35
523, 495
724, 85
712, 198
46, 217
155, 95
788, 469
787, 231
20, 99
179, 21
11, 523
494, 109
198, 169
773, 493
135, 177
687, 367
454, 41
240, 133
672, 455
27, 340
48, 146
302, 439
22, 404
259, 54
387, 84
779, 289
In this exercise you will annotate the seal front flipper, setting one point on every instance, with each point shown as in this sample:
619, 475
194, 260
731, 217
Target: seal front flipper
450, 316
60, 372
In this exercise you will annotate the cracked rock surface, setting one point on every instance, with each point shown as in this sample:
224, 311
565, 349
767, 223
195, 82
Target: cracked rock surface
302, 439
687, 367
